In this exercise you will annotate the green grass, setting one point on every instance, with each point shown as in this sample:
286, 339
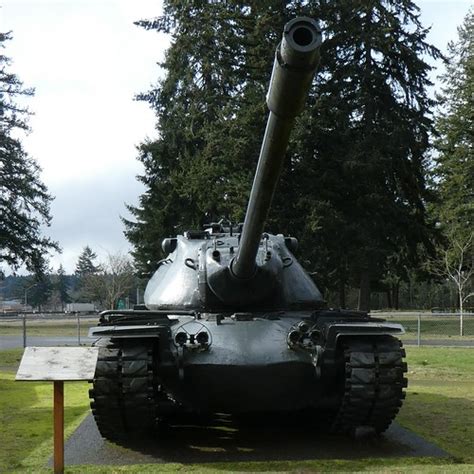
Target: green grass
26, 416
10, 359
46, 328
435, 327
439, 407
363, 465
436, 362
440, 400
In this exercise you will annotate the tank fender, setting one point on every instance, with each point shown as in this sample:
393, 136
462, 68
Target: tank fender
334, 331
136, 323
132, 331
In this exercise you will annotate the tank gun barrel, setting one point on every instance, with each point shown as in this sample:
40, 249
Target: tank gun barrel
296, 60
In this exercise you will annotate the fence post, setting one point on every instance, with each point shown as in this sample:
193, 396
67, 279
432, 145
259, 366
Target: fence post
78, 329
418, 335
24, 330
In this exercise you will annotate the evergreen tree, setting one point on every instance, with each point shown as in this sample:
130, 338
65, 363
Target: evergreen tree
455, 145
86, 263
62, 286
38, 289
24, 199
86, 271
353, 187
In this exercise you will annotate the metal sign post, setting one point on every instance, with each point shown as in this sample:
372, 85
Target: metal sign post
24, 330
58, 364
78, 329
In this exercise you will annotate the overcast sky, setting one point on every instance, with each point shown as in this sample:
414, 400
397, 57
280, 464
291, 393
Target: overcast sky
86, 60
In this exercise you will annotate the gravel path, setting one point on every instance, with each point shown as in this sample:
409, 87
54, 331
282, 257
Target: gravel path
224, 440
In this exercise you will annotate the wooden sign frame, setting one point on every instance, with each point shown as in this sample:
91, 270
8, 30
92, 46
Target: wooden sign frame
58, 365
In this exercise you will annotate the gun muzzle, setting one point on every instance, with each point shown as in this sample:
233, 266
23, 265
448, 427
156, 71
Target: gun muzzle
297, 58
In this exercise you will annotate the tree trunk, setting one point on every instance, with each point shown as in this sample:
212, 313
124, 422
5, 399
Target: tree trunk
461, 315
342, 294
396, 292
364, 291
389, 297
410, 293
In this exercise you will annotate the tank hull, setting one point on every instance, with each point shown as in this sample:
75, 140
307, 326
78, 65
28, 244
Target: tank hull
345, 365
248, 367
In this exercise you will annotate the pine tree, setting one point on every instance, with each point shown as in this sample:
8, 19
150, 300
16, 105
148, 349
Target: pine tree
24, 199
62, 286
39, 289
86, 263
88, 274
455, 126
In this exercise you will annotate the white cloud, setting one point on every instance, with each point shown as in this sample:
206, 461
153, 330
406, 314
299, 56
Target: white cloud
87, 211
86, 60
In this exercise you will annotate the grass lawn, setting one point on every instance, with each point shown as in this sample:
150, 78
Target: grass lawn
26, 416
440, 400
434, 327
439, 407
51, 328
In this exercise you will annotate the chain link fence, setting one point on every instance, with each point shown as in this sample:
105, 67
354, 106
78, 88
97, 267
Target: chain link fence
51, 329
433, 328
45, 329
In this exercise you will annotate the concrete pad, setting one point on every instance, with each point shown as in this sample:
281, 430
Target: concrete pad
222, 439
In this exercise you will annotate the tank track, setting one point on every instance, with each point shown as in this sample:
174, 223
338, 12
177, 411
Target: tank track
372, 385
126, 396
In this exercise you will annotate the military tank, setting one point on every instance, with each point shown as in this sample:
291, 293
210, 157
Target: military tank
234, 324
